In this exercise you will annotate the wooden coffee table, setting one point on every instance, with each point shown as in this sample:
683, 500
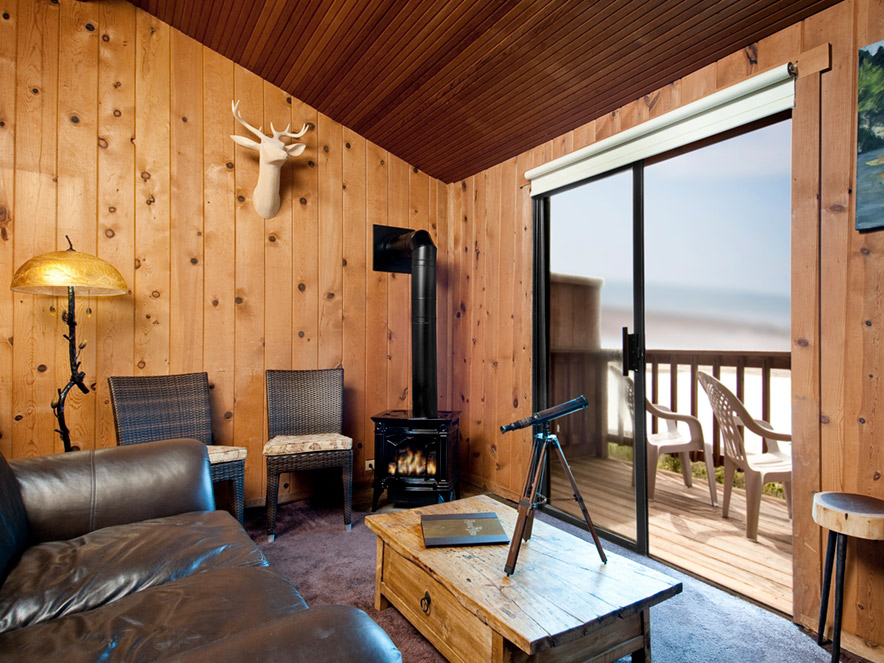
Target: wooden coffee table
561, 605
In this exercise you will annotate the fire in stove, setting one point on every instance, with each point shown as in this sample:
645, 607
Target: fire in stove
413, 463
416, 457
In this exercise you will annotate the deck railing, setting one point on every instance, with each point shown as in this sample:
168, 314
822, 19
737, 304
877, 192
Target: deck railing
695, 359
595, 373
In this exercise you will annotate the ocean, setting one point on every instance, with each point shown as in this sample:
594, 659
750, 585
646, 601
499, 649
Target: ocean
697, 318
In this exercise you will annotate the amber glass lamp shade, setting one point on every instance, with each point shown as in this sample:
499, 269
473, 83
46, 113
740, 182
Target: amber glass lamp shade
69, 273
53, 273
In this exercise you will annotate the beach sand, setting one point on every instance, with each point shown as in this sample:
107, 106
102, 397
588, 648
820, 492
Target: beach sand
677, 332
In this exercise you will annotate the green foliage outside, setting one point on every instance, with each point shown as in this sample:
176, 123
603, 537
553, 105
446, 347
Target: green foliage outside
698, 470
871, 101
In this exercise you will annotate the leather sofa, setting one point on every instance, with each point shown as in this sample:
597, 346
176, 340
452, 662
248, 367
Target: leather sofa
118, 555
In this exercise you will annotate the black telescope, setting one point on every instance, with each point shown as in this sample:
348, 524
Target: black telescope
549, 414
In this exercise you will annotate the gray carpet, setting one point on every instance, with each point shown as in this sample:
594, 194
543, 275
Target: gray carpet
330, 565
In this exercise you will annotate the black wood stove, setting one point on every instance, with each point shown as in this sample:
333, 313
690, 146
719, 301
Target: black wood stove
415, 451
415, 458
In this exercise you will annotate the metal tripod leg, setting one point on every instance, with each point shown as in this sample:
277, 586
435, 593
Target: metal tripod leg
525, 519
579, 498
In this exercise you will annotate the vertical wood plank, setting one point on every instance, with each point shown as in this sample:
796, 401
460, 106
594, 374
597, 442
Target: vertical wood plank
248, 412
115, 334
8, 31
779, 48
329, 136
633, 113
442, 229
305, 251
219, 197
399, 296
36, 327
494, 307
77, 171
418, 219
868, 249
583, 136
419, 201
152, 193
697, 85
459, 197
278, 243
278, 257
479, 447
836, 163
663, 100
606, 125
737, 66
522, 325
187, 232
354, 300
504, 322
376, 290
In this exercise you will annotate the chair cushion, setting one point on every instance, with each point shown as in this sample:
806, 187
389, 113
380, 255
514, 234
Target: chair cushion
282, 445
161, 622
221, 454
58, 578
13, 520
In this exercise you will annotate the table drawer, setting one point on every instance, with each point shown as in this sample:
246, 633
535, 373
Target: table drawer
457, 633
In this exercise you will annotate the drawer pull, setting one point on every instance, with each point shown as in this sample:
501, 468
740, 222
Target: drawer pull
425, 603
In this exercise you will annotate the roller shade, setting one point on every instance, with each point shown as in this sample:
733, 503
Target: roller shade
753, 99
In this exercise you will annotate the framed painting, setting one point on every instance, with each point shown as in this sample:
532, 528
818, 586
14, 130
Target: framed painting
870, 138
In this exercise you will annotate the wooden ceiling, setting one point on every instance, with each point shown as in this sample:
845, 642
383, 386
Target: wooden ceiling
456, 86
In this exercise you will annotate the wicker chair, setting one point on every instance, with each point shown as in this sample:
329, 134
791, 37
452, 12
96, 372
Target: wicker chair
160, 407
304, 420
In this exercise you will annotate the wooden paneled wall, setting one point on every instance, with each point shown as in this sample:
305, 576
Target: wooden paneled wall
115, 130
838, 378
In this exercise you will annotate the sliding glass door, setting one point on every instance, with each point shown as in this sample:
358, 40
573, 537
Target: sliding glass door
595, 318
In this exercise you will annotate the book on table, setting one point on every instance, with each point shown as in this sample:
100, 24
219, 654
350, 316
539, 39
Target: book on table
462, 529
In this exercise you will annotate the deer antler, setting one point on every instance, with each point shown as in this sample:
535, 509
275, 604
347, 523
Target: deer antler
288, 134
258, 132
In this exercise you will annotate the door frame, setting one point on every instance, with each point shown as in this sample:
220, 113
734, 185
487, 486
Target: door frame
540, 332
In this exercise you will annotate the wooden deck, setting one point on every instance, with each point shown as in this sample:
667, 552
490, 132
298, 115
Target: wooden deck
687, 532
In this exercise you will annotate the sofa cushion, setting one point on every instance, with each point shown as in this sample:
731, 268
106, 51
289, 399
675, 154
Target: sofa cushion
59, 578
13, 520
336, 633
67, 495
159, 622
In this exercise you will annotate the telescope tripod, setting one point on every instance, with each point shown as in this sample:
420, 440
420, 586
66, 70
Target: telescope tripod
529, 502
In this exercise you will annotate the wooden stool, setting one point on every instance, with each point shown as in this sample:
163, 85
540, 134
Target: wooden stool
843, 514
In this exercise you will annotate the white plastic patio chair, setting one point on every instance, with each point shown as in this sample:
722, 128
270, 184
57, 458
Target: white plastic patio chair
760, 468
673, 440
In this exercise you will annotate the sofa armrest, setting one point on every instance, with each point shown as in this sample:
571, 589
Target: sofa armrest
68, 495
325, 633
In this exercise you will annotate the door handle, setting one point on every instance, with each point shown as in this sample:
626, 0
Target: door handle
632, 354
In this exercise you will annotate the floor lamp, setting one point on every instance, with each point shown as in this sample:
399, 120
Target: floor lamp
63, 273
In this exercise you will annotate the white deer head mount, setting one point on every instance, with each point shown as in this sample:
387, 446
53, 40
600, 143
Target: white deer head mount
273, 153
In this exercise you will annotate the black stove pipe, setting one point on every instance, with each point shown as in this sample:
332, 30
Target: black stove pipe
419, 246
424, 399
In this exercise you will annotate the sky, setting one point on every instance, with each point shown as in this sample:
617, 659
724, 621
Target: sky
717, 217
717, 242
872, 48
